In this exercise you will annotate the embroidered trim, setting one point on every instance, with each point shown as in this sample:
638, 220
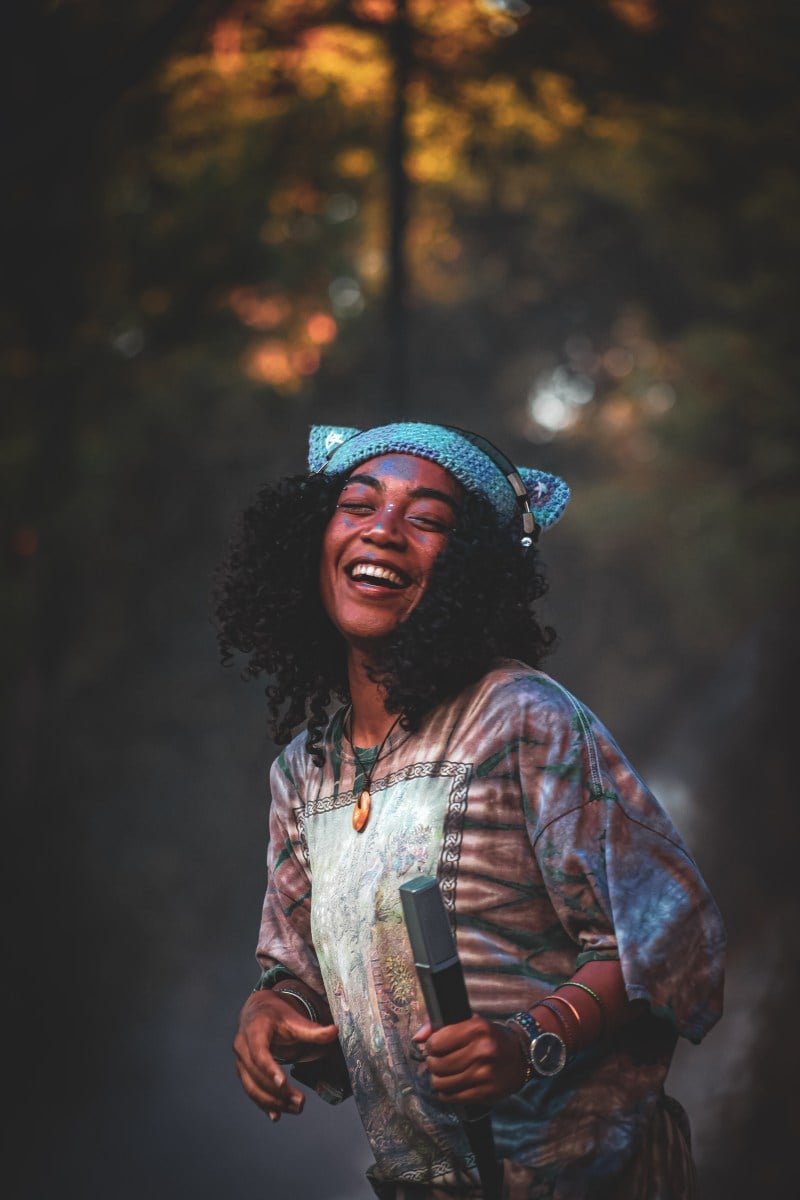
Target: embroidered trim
453, 820
440, 1172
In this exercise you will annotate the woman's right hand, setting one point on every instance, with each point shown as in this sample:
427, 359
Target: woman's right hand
270, 1025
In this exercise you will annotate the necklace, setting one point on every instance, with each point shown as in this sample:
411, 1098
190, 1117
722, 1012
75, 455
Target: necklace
363, 804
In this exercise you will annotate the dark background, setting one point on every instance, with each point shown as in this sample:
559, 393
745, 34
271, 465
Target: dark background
570, 225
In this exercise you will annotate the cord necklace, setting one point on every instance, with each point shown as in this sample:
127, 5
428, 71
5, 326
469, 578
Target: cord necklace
363, 804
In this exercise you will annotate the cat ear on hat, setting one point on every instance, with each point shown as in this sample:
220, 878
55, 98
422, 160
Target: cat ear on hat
324, 441
547, 495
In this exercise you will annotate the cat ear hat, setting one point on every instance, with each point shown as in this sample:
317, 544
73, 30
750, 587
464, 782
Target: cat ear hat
477, 464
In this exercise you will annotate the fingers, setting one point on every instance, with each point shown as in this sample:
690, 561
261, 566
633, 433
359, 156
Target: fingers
302, 1041
475, 1060
262, 1077
269, 1027
318, 1034
267, 1086
452, 1070
290, 1032
461, 1057
474, 1083
450, 1039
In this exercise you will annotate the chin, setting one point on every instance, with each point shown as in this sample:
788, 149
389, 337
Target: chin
364, 634
361, 629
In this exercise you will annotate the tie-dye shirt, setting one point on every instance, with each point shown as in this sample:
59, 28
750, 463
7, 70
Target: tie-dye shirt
550, 851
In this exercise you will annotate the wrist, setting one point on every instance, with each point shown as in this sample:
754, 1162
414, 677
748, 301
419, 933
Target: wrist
302, 1002
546, 1049
272, 975
523, 1045
278, 981
279, 1006
558, 1014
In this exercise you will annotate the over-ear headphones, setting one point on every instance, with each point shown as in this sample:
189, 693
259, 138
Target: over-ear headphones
530, 530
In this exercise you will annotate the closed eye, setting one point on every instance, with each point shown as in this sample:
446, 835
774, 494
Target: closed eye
356, 506
432, 523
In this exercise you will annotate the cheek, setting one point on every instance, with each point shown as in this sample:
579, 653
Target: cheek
338, 531
430, 547
340, 526
326, 565
337, 528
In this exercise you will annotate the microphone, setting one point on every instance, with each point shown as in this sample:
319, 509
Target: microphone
442, 981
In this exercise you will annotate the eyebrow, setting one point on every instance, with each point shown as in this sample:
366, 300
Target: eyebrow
420, 493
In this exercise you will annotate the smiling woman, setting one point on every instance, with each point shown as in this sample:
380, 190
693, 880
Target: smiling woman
479, 602
400, 578
391, 523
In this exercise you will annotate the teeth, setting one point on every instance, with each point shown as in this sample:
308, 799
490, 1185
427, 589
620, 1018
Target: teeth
370, 571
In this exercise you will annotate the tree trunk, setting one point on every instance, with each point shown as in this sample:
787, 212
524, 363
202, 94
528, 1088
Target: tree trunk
397, 297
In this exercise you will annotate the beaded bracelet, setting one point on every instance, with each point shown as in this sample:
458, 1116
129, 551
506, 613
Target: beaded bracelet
599, 1001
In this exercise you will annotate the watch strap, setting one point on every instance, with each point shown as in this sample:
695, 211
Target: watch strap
531, 1028
528, 1023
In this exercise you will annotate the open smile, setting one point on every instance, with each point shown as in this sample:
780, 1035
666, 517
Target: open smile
377, 575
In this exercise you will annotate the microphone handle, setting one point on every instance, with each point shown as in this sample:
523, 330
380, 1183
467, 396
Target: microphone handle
445, 994
441, 980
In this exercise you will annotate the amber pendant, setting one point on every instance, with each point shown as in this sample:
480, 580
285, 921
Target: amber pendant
361, 811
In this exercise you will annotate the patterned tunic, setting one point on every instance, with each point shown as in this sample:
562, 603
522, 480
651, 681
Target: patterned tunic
550, 851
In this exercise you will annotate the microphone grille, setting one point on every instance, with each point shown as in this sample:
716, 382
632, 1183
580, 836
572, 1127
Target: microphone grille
427, 922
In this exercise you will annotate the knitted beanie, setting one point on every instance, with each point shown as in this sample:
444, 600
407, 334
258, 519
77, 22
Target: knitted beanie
336, 449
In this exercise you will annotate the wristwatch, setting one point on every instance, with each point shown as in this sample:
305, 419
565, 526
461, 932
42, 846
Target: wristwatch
548, 1052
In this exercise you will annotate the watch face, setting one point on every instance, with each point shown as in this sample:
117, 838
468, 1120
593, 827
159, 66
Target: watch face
548, 1054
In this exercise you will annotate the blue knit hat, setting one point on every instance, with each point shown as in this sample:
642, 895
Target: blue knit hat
336, 449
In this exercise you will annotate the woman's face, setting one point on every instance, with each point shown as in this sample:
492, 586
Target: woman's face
391, 522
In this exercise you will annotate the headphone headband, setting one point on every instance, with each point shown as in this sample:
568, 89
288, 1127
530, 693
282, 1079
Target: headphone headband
504, 464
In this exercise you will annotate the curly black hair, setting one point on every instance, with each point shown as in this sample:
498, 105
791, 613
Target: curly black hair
478, 606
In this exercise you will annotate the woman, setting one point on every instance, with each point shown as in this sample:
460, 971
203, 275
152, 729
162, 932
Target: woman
398, 578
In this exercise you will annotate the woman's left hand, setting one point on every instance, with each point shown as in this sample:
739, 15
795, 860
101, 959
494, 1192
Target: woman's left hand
475, 1061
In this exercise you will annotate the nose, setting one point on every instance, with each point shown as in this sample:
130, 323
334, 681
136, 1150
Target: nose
386, 528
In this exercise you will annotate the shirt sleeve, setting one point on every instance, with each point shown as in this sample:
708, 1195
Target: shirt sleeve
618, 874
284, 944
285, 948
